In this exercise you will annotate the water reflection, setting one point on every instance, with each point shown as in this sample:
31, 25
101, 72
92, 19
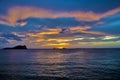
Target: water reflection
60, 63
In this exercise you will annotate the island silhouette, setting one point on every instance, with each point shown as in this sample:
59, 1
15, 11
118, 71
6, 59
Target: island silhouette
17, 47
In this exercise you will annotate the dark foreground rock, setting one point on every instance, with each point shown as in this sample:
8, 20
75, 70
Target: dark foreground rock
18, 47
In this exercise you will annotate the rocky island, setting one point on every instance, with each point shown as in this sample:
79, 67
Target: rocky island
17, 47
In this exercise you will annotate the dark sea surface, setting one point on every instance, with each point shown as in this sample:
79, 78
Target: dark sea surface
66, 64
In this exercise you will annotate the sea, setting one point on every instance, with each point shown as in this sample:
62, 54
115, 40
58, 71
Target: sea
60, 64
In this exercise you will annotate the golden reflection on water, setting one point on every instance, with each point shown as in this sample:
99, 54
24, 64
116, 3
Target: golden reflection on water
48, 62
55, 61
50, 57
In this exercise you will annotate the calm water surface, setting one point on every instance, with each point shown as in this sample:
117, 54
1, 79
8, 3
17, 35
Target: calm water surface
60, 64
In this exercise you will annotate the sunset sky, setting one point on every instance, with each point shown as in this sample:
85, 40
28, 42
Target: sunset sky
60, 23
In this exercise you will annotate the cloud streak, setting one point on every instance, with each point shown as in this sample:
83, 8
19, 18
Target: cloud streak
20, 13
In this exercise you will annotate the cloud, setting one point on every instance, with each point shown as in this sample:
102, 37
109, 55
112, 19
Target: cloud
52, 22
50, 37
58, 29
111, 25
56, 45
11, 37
8, 38
3, 40
21, 13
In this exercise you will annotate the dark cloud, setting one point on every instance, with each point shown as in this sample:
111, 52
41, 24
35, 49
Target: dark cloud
6, 28
3, 40
10, 36
37, 23
49, 22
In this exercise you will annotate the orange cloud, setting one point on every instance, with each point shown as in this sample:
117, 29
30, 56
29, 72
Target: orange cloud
79, 28
56, 45
95, 33
21, 13
52, 29
61, 42
91, 16
62, 39
45, 31
84, 29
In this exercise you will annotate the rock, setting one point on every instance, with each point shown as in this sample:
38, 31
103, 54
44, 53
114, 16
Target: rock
18, 47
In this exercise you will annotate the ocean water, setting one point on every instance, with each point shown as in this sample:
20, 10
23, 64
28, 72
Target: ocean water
66, 64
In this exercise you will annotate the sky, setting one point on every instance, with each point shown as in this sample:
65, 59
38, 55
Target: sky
60, 23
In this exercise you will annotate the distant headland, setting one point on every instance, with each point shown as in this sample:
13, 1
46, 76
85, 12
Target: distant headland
17, 47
